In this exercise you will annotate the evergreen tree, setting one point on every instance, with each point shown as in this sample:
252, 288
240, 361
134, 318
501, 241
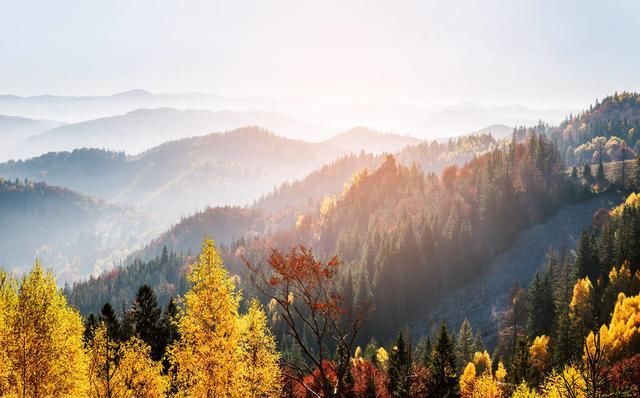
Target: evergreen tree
370, 352
520, 367
444, 365
587, 259
398, 368
108, 316
541, 306
90, 325
146, 315
168, 324
424, 350
464, 344
586, 173
600, 176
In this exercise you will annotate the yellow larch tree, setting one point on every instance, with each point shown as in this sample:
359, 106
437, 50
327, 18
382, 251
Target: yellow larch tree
262, 377
44, 349
486, 386
581, 307
208, 360
568, 384
104, 353
141, 376
482, 362
467, 380
622, 336
8, 299
123, 370
523, 391
540, 354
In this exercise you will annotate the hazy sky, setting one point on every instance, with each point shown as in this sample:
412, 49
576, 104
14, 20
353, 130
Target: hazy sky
540, 53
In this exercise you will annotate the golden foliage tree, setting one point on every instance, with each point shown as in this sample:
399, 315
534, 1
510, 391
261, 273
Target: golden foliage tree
566, 384
141, 376
42, 349
623, 333
8, 298
262, 377
104, 353
540, 354
482, 362
467, 380
123, 370
523, 391
581, 307
486, 387
208, 360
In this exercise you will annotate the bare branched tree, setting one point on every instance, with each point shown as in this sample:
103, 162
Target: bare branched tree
307, 298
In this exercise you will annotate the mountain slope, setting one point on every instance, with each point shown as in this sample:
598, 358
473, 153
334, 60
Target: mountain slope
72, 233
14, 129
518, 264
182, 176
142, 129
363, 139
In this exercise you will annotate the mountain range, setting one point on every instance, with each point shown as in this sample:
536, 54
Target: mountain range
430, 121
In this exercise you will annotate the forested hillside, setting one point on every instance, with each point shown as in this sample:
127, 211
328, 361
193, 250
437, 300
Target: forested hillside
180, 177
73, 233
611, 127
284, 209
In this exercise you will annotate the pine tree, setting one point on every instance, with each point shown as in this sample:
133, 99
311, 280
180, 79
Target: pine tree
110, 319
424, 350
464, 344
169, 327
90, 324
541, 306
146, 315
600, 176
444, 365
587, 259
398, 369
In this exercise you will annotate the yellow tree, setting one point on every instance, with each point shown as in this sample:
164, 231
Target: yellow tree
486, 387
467, 380
622, 336
141, 376
104, 353
123, 370
208, 360
568, 384
8, 298
482, 362
45, 349
581, 307
540, 354
523, 391
260, 356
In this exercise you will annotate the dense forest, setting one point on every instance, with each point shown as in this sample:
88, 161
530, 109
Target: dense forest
315, 289
610, 130
574, 332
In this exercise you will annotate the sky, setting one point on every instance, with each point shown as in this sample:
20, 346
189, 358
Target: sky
537, 53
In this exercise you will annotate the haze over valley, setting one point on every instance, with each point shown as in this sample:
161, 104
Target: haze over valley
363, 199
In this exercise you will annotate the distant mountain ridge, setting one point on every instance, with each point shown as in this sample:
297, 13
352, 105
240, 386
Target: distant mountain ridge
142, 129
14, 129
433, 121
364, 139
182, 176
